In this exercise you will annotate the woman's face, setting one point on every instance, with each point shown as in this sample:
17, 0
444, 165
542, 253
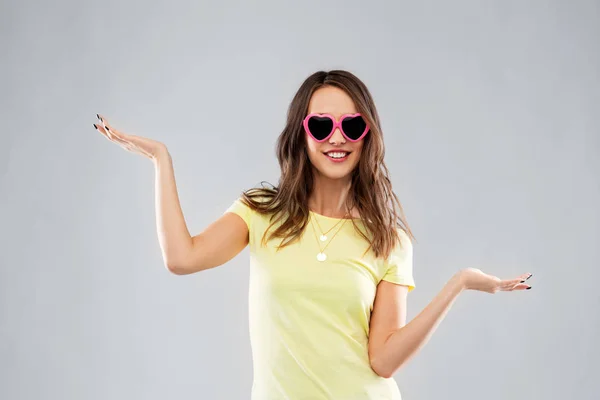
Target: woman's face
334, 101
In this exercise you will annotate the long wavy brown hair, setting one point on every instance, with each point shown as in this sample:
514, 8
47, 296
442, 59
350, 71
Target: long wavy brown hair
371, 188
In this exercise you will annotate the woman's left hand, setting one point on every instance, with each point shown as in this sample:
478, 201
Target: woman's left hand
475, 279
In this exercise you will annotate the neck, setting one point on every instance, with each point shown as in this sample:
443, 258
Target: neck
329, 196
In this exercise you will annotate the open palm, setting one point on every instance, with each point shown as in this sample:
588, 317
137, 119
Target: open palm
136, 144
475, 279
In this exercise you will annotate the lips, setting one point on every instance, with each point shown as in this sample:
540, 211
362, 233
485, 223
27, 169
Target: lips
337, 156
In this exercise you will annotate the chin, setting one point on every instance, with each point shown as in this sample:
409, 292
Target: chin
334, 173
333, 170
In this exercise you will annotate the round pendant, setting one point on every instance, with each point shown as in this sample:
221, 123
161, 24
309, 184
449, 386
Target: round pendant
323, 238
321, 257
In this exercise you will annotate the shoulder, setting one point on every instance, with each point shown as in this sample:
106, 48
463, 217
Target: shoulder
259, 200
402, 252
405, 239
256, 201
399, 265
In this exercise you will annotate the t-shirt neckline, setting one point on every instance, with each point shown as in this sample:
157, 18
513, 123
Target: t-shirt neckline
332, 218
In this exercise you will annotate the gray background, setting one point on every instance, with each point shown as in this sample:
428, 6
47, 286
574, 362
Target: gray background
490, 116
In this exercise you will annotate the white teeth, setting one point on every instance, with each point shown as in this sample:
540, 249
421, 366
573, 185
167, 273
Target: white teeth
337, 155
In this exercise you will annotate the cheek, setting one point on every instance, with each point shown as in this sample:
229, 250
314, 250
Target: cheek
357, 150
313, 149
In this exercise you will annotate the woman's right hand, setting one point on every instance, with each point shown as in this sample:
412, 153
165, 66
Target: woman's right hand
136, 144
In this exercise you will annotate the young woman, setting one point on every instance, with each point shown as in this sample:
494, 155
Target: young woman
331, 252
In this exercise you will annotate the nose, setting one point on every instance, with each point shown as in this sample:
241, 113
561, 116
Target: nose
337, 137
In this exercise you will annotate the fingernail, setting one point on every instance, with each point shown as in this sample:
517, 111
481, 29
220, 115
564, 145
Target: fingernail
95, 126
527, 278
528, 288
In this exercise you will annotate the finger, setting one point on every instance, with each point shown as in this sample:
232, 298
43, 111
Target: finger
525, 276
102, 119
131, 147
111, 135
132, 143
109, 128
520, 279
515, 286
123, 143
113, 132
102, 131
521, 286
509, 283
122, 137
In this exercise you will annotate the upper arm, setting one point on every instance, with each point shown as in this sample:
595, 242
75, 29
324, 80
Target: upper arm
221, 241
388, 315
389, 308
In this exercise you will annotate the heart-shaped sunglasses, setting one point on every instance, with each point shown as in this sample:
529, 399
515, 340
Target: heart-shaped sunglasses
321, 126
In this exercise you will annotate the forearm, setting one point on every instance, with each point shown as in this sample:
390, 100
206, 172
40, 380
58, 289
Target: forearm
173, 235
401, 345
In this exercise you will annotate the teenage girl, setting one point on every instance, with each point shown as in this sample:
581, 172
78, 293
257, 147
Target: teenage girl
331, 256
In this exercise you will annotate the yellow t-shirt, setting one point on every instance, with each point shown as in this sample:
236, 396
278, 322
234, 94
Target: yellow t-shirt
309, 319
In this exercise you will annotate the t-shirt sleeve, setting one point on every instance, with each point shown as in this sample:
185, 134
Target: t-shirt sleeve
238, 207
399, 267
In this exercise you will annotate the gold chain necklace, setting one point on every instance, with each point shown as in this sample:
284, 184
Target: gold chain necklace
323, 236
322, 256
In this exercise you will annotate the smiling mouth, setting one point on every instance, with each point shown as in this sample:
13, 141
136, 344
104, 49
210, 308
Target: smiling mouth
337, 155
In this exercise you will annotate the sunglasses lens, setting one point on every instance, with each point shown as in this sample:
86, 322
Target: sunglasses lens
320, 127
354, 127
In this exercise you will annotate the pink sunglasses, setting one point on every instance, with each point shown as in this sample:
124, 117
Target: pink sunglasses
321, 126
